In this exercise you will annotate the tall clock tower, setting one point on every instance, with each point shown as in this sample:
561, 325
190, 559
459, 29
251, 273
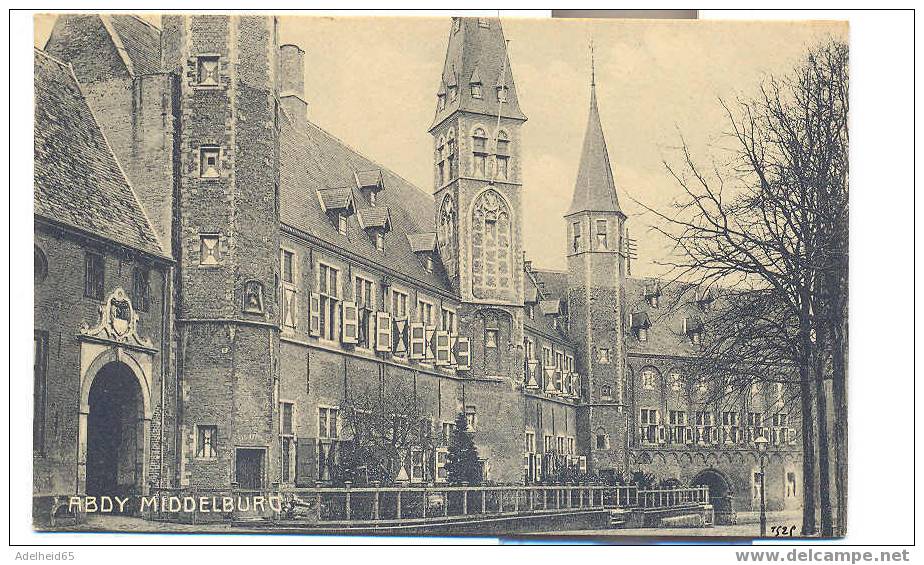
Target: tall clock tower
478, 190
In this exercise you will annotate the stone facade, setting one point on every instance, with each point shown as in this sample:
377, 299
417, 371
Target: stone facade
295, 273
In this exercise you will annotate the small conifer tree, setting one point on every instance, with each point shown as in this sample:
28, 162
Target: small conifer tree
462, 465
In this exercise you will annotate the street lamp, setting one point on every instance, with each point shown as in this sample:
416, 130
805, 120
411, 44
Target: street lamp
761, 444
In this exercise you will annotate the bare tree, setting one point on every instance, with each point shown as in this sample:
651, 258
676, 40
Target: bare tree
387, 429
771, 222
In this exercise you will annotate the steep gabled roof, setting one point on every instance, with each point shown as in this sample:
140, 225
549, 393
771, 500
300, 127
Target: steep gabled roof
477, 44
78, 182
140, 39
313, 159
121, 44
594, 189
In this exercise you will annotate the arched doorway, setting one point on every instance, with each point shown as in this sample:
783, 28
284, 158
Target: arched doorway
115, 433
721, 494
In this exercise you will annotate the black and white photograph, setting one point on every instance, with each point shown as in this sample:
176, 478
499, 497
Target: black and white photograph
452, 276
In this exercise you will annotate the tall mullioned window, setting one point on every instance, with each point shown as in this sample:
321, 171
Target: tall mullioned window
207, 442
141, 288
329, 292
95, 278
491, 241
480, 152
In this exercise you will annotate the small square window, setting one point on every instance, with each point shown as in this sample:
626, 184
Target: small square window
209, 162
603, 355
476, 91
502, 92
490, 338
207, 442
209, 251
207, 70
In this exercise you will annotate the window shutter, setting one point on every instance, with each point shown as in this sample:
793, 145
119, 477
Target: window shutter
383, 331
453, 339
430, 343
442, 348
418, 341
314, 327
306, 466
463, 354
399, 337
350, 322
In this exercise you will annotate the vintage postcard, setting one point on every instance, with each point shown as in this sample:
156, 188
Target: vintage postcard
406, 275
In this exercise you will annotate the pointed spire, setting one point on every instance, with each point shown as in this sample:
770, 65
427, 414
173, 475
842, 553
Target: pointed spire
594, 189
477, 49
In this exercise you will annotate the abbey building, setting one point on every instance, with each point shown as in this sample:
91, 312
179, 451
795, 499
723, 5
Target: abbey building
218, 279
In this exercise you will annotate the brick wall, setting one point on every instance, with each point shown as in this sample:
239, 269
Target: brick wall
60, 310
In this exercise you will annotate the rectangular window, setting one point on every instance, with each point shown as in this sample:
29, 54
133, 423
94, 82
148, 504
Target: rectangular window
329, 292
648, 425
448, 321
442, 457
288, 267
209, 250
209, 162
207, 442
286, 418
328, 422
730, 427
398, 304
286, 445
530, 442
289, 296
576, 236
39, 384
342, 224
364, 297
490, 338
207, 70
141, 289
790, 485
678, 423
471, 417
425, 312
603, 356
502, 166
560, 445
548, 445
446, 432
95, 276
601, 234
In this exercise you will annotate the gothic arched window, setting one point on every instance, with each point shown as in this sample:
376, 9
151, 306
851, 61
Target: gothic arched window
480, 152
451, 157
446, 237
491, 239
502, 155
441, 160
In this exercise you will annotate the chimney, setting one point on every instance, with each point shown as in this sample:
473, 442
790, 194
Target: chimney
292, 81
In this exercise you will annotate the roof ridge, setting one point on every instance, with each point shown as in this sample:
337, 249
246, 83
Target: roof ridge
48, 55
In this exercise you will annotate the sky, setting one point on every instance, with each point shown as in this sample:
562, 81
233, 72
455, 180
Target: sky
372, 82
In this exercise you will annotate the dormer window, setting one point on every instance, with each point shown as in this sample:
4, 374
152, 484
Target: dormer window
456, 24
476, 90
428, 263
640, 324
342, 224
693, 328
370, 183
372, 197
483, 23
502, 92
337, 203
376, 221
441, 102
653, 293
453, 93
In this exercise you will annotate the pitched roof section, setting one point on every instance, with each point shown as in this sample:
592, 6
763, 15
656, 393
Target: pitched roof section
594, 189
422, 242
78, 181
141, 41
666, 323
376, 217
337, 198
312, 159
477, 44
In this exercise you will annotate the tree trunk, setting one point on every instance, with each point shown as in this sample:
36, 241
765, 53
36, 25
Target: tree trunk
838, 297
821, 405
808, 451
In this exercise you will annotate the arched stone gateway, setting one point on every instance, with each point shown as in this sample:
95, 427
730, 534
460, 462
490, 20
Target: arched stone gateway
114, 426
721, 494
